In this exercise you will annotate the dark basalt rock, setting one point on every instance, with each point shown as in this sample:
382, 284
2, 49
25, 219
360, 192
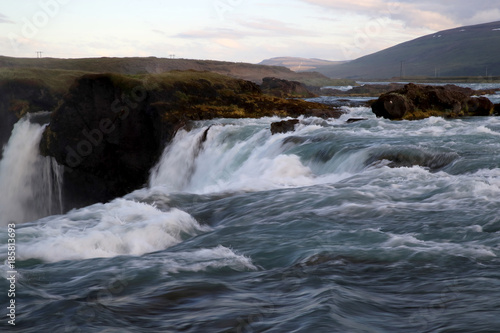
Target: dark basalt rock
479, 106
418, 102
105, 136
354, 120
284, 126
392, 106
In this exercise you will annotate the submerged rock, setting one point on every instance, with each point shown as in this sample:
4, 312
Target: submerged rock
355, 120
418, 102
412, 157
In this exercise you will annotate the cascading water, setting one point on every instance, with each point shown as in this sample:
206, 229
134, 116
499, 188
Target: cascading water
31, 184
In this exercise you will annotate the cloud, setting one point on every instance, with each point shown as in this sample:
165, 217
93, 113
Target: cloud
213, 33
159, 32
4, 19
276, 28
263, 28
488, 15
429, 14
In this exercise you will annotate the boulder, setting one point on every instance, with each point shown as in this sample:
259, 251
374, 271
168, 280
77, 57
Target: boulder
392, 106
479, 106
284, 126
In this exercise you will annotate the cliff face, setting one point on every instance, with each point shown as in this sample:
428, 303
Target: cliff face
111, 129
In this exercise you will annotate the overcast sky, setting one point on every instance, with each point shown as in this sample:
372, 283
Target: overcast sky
233, 30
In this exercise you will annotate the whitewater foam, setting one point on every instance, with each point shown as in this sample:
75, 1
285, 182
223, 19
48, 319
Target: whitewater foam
229, 161
121, 227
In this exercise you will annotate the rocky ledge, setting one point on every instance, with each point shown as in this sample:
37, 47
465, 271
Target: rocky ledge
414, 102
111, 129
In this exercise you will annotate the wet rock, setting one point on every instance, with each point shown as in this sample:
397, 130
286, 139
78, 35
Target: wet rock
392, 106
479, 106
284, 126
354, 120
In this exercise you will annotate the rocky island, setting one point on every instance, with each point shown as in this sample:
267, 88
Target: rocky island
413, 102
110, 129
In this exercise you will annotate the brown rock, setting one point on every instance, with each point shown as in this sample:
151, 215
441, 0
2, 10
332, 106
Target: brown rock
284, 126
392, 106
479, 106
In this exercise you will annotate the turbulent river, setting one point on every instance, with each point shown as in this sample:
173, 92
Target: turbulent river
370, 226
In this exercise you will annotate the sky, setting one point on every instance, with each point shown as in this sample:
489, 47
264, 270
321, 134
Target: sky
231, 30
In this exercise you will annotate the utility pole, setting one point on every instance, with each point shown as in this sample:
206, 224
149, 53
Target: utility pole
172, 56
39, 54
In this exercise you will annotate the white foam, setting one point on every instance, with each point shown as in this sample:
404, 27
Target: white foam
121, 227
232, 159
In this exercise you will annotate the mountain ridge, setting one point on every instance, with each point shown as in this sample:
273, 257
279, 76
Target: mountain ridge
463, 51
298, 64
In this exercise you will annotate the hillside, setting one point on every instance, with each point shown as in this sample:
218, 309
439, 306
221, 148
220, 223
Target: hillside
465, 51
153, 65
299, 64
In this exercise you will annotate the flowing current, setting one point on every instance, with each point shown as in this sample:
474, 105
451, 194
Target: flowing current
369, 226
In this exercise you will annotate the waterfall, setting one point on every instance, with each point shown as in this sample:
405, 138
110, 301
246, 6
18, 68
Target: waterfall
31, 184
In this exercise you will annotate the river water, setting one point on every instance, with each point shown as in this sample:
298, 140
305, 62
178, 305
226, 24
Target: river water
371, 226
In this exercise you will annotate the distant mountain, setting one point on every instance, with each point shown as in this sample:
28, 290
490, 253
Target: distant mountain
465, 51
299, 64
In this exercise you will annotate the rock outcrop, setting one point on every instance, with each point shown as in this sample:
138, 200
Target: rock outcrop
417, 102
111, 129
